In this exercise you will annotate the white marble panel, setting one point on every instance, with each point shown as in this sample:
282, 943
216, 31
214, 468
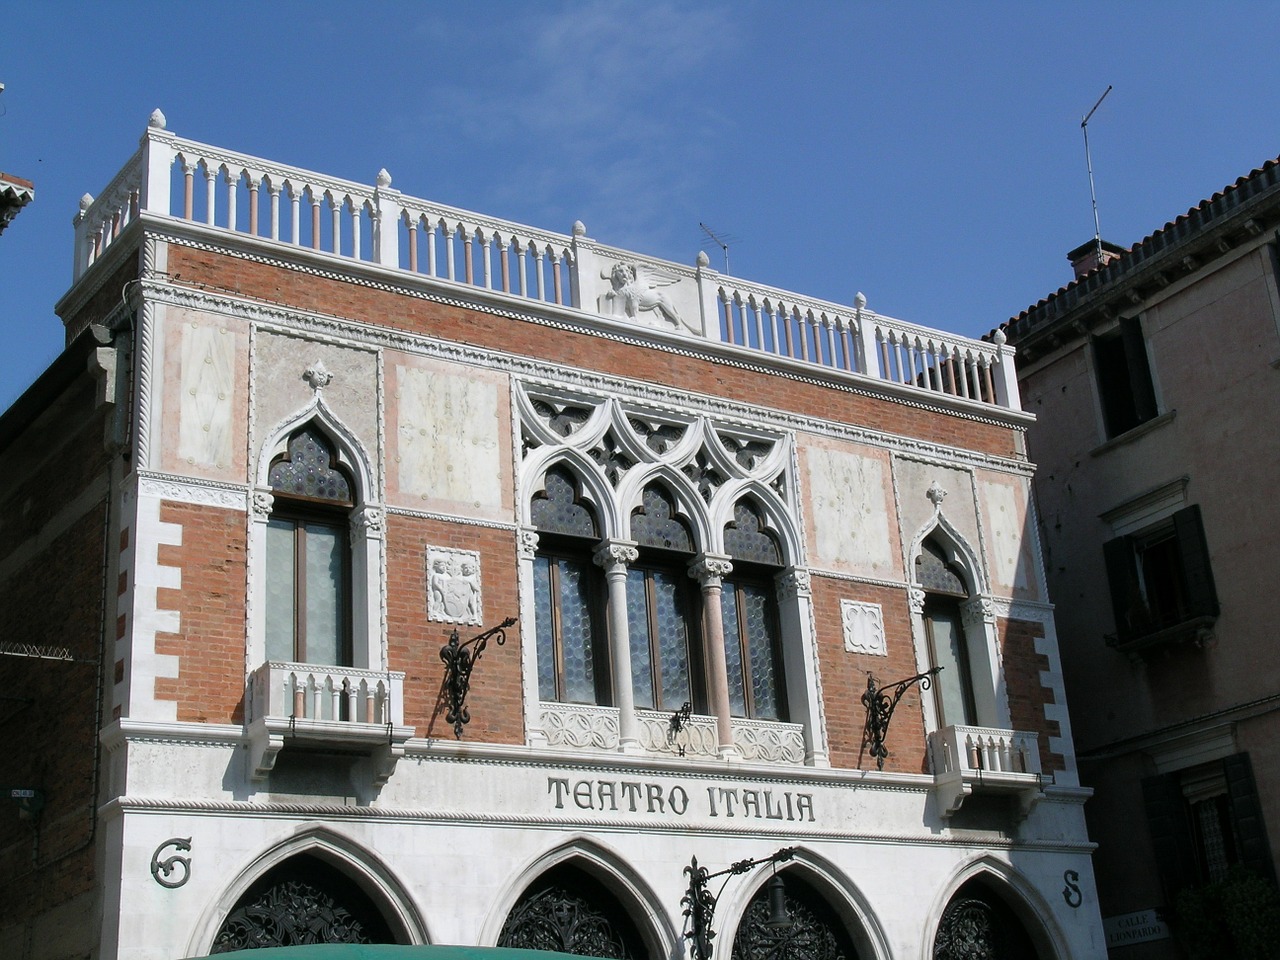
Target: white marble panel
449, 423
1009, 542
915, 477
848, 511
863, 625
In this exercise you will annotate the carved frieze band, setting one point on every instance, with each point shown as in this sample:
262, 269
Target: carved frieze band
199, 493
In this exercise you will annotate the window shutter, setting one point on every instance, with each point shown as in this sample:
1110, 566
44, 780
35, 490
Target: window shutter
1122, 575
1246, 814
1171, 840
1202, 597
1135, 355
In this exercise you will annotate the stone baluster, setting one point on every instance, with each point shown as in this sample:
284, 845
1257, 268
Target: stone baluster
210, 184
710, 570
315, 219
188, 190
450, 233
539, 254
524, 267
335, 222
254, 183
614, 556
295, 209
232, 182
273, 192
431, 247
353, 211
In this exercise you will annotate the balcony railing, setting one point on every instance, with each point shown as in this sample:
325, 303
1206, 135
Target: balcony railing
585, 727
988, 760
346, 708
173, 177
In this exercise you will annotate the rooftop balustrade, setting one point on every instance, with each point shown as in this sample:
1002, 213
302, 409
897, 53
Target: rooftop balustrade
181, 179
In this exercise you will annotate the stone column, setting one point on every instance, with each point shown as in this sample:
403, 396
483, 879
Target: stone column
710, 570
614, 556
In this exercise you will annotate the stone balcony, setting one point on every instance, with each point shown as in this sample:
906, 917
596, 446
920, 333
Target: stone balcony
292, 213
987, 760
316, 707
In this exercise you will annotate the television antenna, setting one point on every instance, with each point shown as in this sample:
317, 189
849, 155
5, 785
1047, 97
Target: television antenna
720, 240
1088, 162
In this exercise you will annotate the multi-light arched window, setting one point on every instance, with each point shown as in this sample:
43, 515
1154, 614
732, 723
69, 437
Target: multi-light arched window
308, 554
568, 609
748, 599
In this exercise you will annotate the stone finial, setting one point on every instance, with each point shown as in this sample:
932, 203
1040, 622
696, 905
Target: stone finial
703, 260
999, 338
860, 300
579, 228
318, 376
383, 179
86, 202
156, 121
936, 494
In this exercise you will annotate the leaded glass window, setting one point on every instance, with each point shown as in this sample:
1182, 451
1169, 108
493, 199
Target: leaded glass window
568, 595
747, 539
308, 554
658, 617
752, 650
655, 524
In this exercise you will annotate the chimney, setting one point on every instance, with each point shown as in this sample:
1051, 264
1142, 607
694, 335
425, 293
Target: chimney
1085, 258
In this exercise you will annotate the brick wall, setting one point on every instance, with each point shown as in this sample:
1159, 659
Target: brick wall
210, 643
414, 642
844, 677
1027, 698
344, 299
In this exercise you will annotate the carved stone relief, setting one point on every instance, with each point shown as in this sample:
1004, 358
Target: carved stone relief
863, 628
453, 585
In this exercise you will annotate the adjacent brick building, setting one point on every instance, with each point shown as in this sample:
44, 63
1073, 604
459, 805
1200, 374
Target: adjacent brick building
1152, 377
305, 429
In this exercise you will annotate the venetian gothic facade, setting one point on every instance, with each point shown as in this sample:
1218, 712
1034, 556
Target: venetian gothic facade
677, 524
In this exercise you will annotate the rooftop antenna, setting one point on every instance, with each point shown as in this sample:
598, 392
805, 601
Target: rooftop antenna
723, 244
1088, 162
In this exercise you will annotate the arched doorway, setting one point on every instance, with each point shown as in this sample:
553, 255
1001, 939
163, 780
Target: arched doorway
303, 900
979, 925
568, 910
816, 931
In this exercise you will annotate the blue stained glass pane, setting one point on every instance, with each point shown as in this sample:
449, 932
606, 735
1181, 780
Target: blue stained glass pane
638, 632
558, 509
655, 524
672, 639
545, 628
575, 632
308, 471
733, 651
761, 643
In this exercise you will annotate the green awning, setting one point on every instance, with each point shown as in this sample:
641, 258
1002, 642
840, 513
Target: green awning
390, 951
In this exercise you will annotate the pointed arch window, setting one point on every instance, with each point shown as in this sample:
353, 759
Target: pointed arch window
568, 613
945, 591
816, 931
661, 611
748, 601
568, 911
308, 554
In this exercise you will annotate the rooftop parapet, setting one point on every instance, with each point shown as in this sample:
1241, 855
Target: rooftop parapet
185, 180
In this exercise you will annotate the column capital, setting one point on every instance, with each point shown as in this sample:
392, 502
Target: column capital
710, 568
978, 612
616, 554
915, 596
261, 503
527, 543
794, 583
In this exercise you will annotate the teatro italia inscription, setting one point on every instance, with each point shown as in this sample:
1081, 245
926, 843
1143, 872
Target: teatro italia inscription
640, 796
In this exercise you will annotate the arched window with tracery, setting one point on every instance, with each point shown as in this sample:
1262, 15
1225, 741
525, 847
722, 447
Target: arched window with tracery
666, 666
748, 598
569, 911
978, 923
945, 591
308, 553
816, 931
573, 657
301, 901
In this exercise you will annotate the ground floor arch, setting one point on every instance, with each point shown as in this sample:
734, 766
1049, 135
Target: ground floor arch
979, 921
568, 910
815, 929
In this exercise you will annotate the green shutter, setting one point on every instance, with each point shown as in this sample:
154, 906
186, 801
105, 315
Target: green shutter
1122, 575
1171, 840
1202, 597
1135, 356
1246, 814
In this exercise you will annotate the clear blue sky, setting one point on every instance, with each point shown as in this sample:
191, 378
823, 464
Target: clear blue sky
928, 155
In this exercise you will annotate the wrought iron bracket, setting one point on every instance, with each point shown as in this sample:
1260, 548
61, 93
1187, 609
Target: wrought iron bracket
460, 658
700, 903
880, 707
675, 726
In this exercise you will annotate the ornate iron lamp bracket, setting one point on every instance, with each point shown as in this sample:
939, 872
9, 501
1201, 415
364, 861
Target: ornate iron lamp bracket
700, 903
675, 726
880, 707
460, 659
